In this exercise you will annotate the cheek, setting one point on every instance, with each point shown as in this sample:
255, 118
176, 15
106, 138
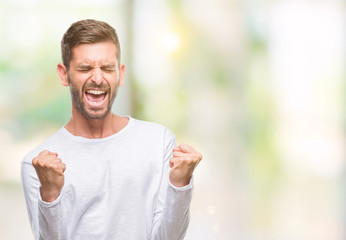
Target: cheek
77, 90
74, 90
78, 83
112, 80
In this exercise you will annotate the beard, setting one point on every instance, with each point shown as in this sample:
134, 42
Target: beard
78, 99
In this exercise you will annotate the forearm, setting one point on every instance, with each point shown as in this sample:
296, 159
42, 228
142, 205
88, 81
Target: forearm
52, 218
43, 216
172, 210
173, 221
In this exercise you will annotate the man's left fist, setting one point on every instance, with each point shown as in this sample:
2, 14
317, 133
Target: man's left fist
185, 159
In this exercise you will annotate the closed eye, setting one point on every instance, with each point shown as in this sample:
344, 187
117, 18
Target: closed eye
84, 69
108, 69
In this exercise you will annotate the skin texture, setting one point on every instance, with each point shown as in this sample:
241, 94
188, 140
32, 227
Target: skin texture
50, 171
184, 161
95, 66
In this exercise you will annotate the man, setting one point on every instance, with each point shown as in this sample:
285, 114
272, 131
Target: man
104, 176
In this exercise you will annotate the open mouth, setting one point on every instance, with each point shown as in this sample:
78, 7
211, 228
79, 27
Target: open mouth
95, 97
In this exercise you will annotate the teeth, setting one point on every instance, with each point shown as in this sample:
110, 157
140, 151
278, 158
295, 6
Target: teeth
96, 92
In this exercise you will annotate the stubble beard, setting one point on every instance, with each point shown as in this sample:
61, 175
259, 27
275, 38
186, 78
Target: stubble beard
78, 102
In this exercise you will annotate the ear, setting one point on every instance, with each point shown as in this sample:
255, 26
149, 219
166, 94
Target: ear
62, 71
121, 74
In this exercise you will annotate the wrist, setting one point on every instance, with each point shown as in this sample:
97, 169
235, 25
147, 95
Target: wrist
49, 195
179, 182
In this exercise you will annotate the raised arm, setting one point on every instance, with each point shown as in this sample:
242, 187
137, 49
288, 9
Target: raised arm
43, 181
172, 216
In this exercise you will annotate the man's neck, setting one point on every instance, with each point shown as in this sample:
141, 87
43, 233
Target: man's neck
95, 128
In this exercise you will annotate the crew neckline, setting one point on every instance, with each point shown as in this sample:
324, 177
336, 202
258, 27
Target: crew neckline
68, 134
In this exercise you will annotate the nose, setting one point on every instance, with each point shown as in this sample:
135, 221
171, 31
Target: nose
97, 76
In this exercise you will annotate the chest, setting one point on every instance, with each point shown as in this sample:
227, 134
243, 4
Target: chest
111, 171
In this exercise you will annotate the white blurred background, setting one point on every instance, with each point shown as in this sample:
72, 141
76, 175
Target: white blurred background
258, 86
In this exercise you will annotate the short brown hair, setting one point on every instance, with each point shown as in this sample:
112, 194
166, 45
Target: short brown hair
86, 32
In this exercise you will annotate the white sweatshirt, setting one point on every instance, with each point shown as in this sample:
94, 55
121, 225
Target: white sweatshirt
115, 187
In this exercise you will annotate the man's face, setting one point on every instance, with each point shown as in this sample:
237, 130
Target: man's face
94, 78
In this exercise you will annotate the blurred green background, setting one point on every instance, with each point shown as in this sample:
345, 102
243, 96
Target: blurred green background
258, 86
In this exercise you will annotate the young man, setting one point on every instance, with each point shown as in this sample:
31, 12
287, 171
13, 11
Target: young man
104, 176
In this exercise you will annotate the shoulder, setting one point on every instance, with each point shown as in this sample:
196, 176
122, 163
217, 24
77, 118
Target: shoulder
146, 125
151, 128
48, 144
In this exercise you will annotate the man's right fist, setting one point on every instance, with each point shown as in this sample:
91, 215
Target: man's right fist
50, 170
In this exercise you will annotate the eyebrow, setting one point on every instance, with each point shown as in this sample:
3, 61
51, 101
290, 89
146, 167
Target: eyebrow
85, 65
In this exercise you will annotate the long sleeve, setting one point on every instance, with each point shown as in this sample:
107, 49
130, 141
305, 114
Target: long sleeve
48, 220
115, 187
171, 215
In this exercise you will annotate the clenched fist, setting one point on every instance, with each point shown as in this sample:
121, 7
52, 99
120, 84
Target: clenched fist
50, 170
185, 159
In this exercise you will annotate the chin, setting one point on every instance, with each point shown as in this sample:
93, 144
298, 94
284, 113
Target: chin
96, 114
